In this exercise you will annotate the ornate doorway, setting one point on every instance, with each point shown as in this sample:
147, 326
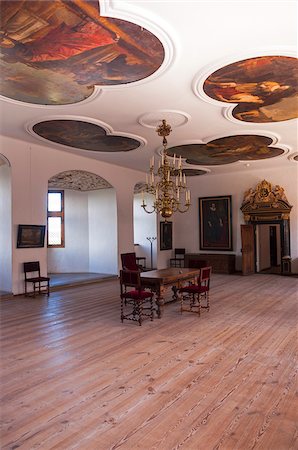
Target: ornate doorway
267, 204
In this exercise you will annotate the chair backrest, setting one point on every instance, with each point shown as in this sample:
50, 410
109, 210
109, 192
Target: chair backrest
130, 278
179, 252
129, 261
31, 267
205, 274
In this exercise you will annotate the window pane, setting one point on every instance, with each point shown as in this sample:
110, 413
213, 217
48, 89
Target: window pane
54, 201
54, 231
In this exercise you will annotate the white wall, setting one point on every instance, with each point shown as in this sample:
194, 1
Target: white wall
5, 230
33, 165
186, 226
74, 257
103, 244
31, 168
145, 225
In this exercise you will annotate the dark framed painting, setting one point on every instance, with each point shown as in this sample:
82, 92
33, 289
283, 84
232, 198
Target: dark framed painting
166, 236
215, 218
31, 236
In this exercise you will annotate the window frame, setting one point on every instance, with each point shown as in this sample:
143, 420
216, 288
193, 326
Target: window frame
56, 214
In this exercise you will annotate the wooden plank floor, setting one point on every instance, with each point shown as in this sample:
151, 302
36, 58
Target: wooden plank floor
74, 377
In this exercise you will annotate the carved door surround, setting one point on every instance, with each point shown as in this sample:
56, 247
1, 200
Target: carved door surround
269, 204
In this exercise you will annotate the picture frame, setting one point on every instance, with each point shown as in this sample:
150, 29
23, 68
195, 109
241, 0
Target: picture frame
215, 219
166, 235
31, 236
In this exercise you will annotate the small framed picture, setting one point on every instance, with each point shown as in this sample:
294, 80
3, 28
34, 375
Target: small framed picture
166, 237
31, 236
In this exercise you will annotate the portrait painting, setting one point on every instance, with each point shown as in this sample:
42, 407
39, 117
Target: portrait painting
215, 218
166, 240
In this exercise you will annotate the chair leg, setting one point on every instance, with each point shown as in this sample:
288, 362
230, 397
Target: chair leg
199, 304
140, 312
181, 303
122, 315
151, 309
208, 303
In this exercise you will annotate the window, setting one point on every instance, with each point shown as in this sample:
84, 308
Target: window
55, 218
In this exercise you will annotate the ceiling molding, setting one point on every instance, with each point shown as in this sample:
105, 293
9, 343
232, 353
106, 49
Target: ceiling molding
173, 117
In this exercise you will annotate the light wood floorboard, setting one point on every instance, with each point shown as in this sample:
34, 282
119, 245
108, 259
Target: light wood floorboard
74, 377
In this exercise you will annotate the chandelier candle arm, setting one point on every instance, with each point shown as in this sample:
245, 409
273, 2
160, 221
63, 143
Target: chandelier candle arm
171, 184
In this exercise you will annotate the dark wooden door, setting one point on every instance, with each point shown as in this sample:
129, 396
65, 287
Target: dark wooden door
248, 249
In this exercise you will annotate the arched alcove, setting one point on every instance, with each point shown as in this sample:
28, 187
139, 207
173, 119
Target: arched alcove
90, 244
145, 230
6, 226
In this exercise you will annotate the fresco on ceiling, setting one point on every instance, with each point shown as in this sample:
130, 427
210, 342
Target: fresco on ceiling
227, 150
54, 52
83, 135
265, 88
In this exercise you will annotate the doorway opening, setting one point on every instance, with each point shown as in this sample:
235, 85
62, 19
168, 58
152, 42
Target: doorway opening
268, 248
90, 251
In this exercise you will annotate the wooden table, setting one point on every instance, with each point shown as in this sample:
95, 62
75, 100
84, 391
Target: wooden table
161, 280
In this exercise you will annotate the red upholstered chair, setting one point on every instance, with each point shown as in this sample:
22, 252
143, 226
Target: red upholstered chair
136, 302
129, 261
194, 293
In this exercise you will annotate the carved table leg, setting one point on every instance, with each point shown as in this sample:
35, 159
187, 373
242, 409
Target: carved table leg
160, 302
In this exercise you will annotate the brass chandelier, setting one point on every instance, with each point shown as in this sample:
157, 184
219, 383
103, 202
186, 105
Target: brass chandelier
169, 189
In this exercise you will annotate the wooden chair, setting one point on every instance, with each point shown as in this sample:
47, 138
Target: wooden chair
136, 303
32, 275
194, 293
178, 260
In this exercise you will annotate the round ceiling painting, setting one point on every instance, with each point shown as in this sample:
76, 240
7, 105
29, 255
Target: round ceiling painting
84, 135
55, 52
265, 88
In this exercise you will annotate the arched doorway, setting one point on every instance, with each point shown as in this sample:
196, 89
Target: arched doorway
90, 226
266, 233
6, 227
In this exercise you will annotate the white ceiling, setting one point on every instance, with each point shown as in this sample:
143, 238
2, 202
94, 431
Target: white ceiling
199, 37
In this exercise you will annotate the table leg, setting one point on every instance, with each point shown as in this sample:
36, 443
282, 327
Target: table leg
160, 302
175, 293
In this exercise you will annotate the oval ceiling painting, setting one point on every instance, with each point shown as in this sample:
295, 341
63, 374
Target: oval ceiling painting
83, 135
54, 52
227, 150
265, 88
